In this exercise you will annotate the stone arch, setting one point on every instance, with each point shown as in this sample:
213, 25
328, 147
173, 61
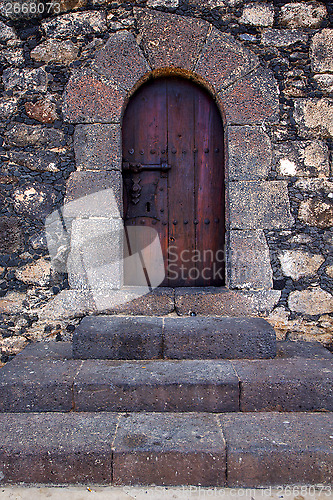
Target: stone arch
246, 94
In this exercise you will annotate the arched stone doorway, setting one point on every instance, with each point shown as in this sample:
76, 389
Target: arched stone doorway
173, 173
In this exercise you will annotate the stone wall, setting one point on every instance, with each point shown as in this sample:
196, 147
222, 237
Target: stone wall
38, 56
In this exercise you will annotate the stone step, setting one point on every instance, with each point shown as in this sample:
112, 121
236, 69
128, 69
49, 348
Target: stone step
143, 337
172, 449
44, 377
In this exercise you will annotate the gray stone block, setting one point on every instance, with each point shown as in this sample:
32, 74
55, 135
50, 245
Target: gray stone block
98, 146
259, 205
213, 338
118, 337
302, 349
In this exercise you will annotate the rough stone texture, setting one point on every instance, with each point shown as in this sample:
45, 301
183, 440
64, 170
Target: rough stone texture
25, 80
321, 51
298, 264
169, 4
124, 337
33, 200
282, 38
90, 98
36, 273
121, 60
55, 51
22, 135
57, 448
259, 205
253, 99
66, 305
285, 384
10, 235
12, 303
249, 261
165, 449
7, 108
216, 338
181, 386
43, 111
249, 153
27, 386
301, 349
68, 25
312, 301
314, 117
316, 212
171, 40
271, 449
258, 14
303, 14
93, 194
329, 271
223, 60
324, 82
223, 302
98, 147
302, 158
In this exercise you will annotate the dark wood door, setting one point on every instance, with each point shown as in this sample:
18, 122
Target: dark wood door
173, 174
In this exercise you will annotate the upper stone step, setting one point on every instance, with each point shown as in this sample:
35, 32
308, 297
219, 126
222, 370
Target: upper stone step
143, 337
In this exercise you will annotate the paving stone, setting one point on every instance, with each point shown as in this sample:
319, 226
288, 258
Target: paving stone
27, 386
249, 153
259, 205
252, 99
121, 60
185, 385
249, 260
93, 194
170, 40
314, 117
136, 301
164, 449
285, 384
302, 349
303, 14
273, 449
46, 350
216, 338
98, 147
224, 302
223, 60
52, 448
91, 98
118, 337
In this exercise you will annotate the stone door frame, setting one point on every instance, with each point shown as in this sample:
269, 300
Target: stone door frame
247, 96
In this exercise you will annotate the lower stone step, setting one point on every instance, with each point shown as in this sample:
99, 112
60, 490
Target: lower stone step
143, 337
47, 379
172, 449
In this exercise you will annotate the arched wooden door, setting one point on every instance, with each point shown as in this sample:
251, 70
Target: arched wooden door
173, 170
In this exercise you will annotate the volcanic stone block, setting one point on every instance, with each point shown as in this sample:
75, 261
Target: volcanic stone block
118, 337
302, 349
314, 117
249, 260
271, 449
259, 205
121, 60
223, 60
169, 449
97, 146
179, 386
171, 40
46, 385
285, 384
53, 448
249, 153
252, 99
91, 98
93, 194
205, 338
45, 350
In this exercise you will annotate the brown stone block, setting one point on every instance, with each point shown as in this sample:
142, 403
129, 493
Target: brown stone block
272, 449
121, 60
93, 194
223, 60
252, 99
91, 98
44, 111
285, 384
98, 146
57, 448
224, 302
259, 205
170, 450
171, 40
